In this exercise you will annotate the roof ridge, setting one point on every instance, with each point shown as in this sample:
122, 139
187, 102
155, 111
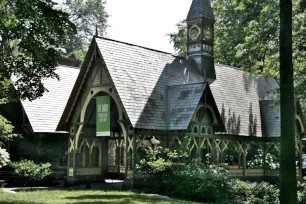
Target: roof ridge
147, 48
67, 66
201, 82
230, 66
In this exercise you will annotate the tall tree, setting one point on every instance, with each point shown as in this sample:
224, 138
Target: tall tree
31, 35
288, 189
89, 16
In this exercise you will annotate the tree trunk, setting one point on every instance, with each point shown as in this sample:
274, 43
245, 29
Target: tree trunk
288, 189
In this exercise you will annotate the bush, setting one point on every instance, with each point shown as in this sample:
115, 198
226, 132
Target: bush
158, 160
29, 171
43, 150
198, 181
302, 193
257, 161
4, 157
253, 193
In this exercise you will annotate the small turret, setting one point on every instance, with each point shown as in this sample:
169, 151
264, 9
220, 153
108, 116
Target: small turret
200, 37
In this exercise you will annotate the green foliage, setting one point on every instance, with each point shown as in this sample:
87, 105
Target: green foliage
32, 172
4, 157
211, 183
6, 134
51, 196
301, 193
43, 150
253, 193
202, 181
6, 130
247, 36
158, 159
257, 161
31, 33
179, 38
89, 16
198, 181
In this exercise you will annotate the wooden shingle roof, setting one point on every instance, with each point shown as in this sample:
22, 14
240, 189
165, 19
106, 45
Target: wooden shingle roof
45, 112
142, 77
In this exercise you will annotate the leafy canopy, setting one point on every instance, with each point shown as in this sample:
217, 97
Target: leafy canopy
89, 16
31, 35
247, 36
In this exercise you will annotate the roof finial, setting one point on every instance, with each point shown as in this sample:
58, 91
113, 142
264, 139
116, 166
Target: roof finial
96, 30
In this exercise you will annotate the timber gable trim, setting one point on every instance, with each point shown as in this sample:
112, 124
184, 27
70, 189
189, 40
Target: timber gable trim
89, 65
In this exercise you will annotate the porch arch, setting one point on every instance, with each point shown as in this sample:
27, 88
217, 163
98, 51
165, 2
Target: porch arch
94, 91
298, 119
215, 121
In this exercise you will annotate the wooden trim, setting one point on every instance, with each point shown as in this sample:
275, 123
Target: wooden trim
73, 96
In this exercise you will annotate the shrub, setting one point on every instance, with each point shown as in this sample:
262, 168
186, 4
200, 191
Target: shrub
43, 150
257, 161
4, 157
31, 172
254, 193
157, 159
198, 181
302, 193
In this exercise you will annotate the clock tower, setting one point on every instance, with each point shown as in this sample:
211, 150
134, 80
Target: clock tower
200, 37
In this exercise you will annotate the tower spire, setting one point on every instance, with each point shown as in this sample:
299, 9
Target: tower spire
96, 30
200, 9
200, 25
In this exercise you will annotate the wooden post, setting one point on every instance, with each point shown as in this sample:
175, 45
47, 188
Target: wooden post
264, 159
244, 159
68, 158
221, 151
119, 153
75, 158
214, 155
244, 163
75, 162
90, 157
126, 155
198, 148
300, 161
134, 152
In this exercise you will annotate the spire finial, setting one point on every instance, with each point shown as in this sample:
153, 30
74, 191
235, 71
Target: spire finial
96, 30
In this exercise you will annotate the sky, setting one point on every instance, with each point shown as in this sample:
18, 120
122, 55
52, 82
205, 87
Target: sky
145, 22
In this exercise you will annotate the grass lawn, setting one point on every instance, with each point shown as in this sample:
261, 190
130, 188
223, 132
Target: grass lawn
80, 196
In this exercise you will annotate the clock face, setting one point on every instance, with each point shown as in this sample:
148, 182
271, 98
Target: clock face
194, 32
207, 33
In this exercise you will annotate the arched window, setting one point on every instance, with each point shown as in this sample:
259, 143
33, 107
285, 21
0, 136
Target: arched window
95, 157
202, 122
204, 115
71, 158
84, 156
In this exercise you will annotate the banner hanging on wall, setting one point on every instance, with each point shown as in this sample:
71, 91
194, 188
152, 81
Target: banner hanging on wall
103, 116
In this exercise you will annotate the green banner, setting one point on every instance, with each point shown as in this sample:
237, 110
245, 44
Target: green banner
103, 116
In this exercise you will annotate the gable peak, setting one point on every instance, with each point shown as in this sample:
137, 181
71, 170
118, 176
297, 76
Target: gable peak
201, 9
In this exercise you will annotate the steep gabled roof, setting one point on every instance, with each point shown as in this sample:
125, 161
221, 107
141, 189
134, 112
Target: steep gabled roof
141, 77
237, 95
182, 103
200, 9
45, 112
